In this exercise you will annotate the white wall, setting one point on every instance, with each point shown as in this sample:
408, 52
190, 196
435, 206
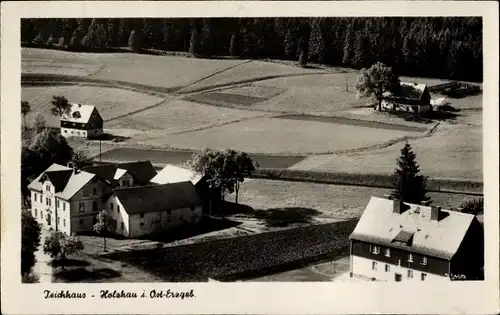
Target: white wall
162, 221
118, 213
363, 267
88, 215
69, 132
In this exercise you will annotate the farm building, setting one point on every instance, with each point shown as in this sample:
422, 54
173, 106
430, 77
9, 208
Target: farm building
124, 174
81, 121
412, 97
68, 199
142, 210
175, 174
397, 241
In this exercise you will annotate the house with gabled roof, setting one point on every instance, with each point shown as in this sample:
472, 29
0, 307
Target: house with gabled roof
81, 121
398, 241
143, 210
412, 97
67, 199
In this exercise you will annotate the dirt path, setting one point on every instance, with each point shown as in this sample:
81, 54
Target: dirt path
42, 269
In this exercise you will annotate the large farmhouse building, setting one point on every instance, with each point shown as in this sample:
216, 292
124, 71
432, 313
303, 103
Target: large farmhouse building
412, 97
397, 241
81, 121
68, 199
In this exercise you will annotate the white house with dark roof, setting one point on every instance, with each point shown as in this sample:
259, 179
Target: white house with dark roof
81, 121
67, 199
142, 210
413, 97
397, 241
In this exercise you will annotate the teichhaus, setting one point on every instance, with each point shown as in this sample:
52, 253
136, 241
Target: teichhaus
68, 199
81, 121
412, 97
397, 241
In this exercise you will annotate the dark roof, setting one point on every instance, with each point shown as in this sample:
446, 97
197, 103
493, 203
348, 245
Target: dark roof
142, 171
58, 178
408, 91
158, 197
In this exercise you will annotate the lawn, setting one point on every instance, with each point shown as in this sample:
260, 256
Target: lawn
272, 135
160, 71
177, 115
453, 151
247, 72
325, 202
111, 102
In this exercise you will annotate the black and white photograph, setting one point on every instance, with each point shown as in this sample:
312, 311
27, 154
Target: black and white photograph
333, 149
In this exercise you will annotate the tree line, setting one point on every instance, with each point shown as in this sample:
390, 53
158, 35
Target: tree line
441, 47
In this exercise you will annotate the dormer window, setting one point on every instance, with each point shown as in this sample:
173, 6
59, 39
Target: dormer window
76, 115
424, 261
387, 252
376, 250
47, 187
410, 258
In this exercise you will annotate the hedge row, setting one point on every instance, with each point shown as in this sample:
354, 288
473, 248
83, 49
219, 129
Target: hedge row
241, 257
369, 180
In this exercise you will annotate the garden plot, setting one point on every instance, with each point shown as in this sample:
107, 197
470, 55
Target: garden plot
223, 99
176, 116
111, 102
453, 151
50, 66
255, 90
284, 136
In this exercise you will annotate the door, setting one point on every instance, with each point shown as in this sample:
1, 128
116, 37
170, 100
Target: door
49, 218
397, 277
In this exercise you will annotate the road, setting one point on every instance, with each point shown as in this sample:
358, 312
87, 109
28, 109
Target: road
42, 268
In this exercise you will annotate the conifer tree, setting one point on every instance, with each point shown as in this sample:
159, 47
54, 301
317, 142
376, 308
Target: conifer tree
409, 185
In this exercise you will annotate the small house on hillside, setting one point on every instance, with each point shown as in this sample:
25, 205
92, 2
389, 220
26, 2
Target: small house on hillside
398, 241
81, 121
412, 97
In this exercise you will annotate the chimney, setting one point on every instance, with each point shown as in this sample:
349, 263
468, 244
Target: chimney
74, 167
397, 206
435, 212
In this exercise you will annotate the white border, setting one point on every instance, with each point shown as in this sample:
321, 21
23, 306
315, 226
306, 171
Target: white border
247, 298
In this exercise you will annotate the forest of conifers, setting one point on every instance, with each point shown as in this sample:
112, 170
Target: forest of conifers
441, 47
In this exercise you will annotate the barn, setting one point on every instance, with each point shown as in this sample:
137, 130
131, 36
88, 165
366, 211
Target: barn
82, 121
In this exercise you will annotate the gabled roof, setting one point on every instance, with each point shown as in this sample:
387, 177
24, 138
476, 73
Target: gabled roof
409, 91
67, 182
175, 174
142, 171
79, 113
412, 230
158, 197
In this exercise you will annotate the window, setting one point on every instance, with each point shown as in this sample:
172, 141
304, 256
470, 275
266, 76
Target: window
422, 276
410, 257
376, 250
81, 206
122, 225
64, 222
387, 252
142, 215
399, 262
85, 193
142, 224
47, 187
72, 132
47, 201
80, 223
111, 206
374, 265
118, 208
94, 191
58, 203
387, 268
126, 182
41, 214
169, 212
192, 208
424, 261
410, 273
35, 197
36, 212
58, 220
94, 205
65, 131
64, 206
